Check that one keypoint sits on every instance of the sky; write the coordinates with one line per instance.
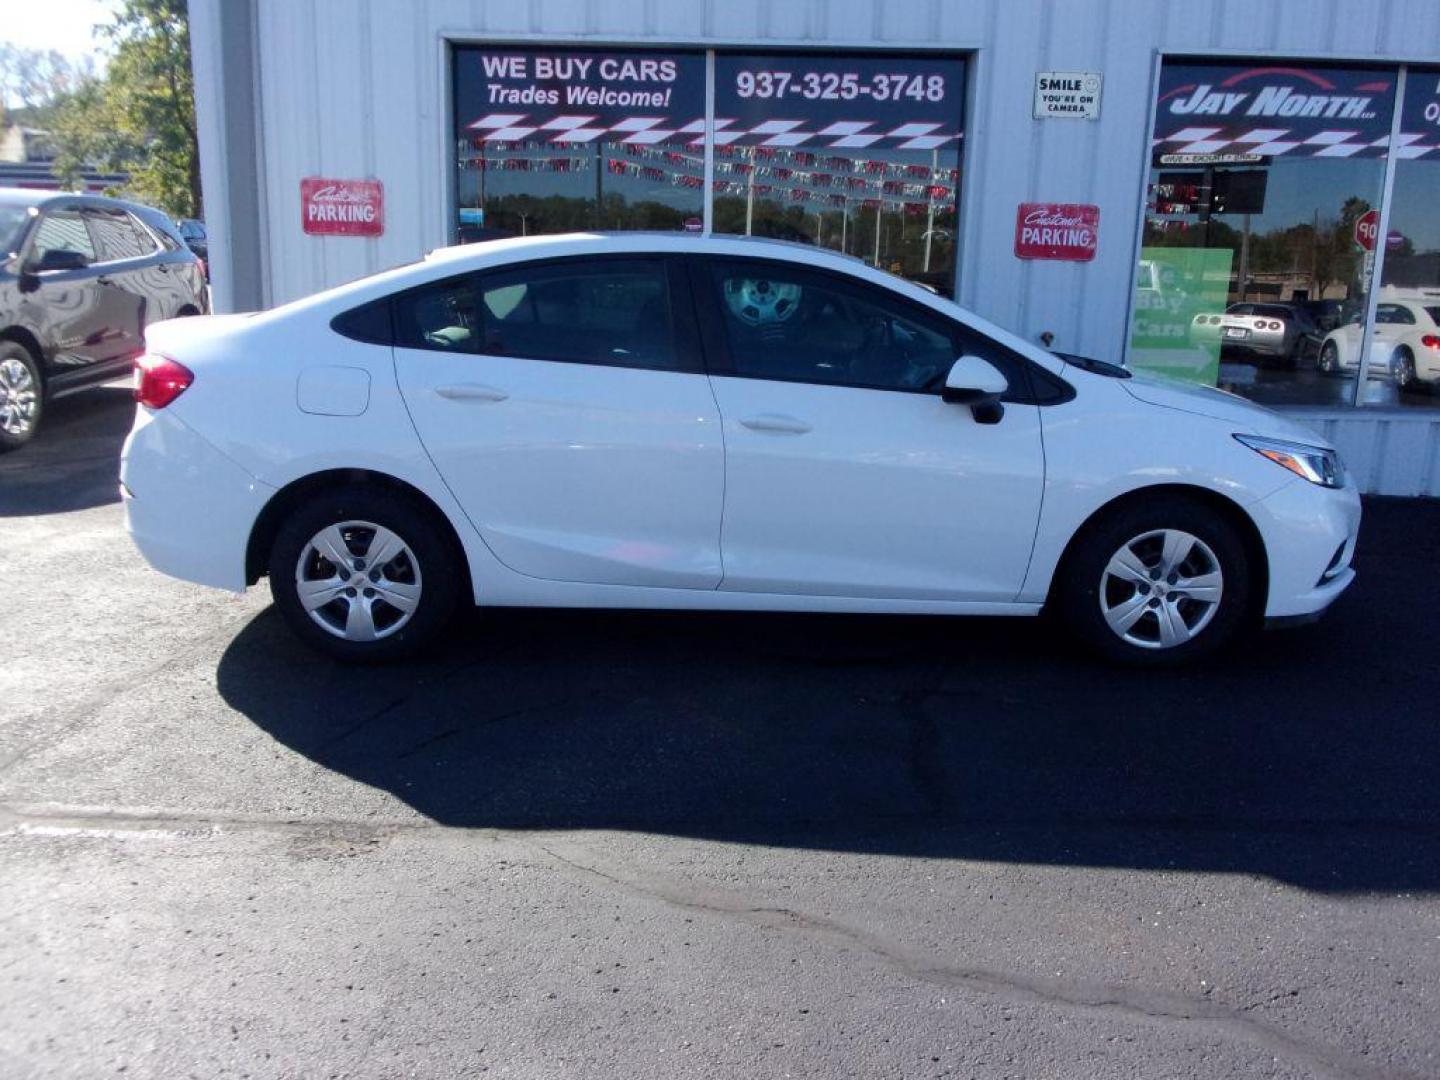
(55, 24)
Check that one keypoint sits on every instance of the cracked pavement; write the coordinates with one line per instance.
(657, 845)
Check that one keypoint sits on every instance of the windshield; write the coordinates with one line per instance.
(12, 222)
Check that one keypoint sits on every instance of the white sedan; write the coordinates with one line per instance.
(640, 421)
(1406, 349)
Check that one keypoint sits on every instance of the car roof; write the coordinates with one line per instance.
(462, 258)
(641, 240)
(444, 263)
(42, 199)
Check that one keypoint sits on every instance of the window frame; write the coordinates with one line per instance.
(1406, 317)
(720, 361)
(684, 332)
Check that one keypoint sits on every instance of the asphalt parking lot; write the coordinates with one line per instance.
(659, 845)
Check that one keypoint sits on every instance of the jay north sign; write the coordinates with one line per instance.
(1311, 111)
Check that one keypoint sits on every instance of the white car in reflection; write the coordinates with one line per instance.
(707, 423)
(1406, 349)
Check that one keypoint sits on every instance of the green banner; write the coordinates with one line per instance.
(1177, 291)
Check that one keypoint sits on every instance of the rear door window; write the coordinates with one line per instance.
(615, 312)
(118, 236)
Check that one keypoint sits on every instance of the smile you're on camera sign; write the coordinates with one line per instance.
(1071, 94)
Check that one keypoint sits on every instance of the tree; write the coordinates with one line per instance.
(141, 116)
(33, 80)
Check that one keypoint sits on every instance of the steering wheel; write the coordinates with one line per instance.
(760, 301)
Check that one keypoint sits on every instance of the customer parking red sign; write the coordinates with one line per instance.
(1057, 231)
(342, 207)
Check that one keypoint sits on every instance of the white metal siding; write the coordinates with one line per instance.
(355, 88)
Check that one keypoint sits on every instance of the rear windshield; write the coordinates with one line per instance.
(1434, 313)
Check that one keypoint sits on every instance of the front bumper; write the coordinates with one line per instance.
(1304, 526)
(188, 507)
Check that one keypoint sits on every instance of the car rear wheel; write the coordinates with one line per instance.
(1159, 582)
(22, 396)
(1402, 366)
(364, 574)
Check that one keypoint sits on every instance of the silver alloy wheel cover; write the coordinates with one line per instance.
(1174, 584)
(17, 397)
(761, 301)
(364, 557)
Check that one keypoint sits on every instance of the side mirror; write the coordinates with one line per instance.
(59, 259)
(975, 382)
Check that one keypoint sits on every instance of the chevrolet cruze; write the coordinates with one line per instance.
(639, 421)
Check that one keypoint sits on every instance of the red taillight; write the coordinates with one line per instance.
(1430, 341)
(204, 269)
(160, 380)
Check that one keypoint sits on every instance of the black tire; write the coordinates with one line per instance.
(1329, 359)
(430, 564)
(1402, 366)
(16, 433)
(1077, 591)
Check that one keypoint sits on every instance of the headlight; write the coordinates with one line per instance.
(1314, 463)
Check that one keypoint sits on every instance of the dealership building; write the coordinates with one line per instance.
(1245, 195)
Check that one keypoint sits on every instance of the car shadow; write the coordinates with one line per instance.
(1309, 756)
(73, 462)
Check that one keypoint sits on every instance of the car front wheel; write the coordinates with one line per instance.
(1158, 582)
(21, 396)
(364, 574)
(1329, 359)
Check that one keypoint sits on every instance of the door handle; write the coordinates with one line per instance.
(471, 392)
(787, 425)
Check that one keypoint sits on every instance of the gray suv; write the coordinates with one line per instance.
(81, 276)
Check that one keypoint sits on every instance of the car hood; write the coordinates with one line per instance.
(1246, 416)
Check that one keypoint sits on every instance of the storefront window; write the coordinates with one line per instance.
(859, 154)
(1407, 319)
(1253, 275)
(563, 140)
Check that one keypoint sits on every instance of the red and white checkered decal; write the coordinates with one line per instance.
(644, 130)
(1275, 141)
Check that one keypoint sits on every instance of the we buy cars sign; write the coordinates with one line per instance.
(1069, 231)
(342, 207)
